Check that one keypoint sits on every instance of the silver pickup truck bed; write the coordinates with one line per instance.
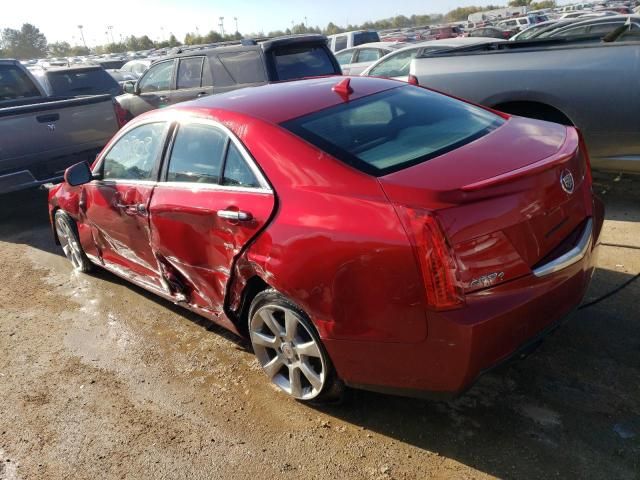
(41, 136)
(594, 86)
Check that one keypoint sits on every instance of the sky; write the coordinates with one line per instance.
(59, 19)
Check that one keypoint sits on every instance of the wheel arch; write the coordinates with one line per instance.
(535, 109)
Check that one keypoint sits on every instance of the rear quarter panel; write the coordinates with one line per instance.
(334, 246)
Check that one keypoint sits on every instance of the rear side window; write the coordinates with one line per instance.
(83, 82)
(197, 154)
(395, 66)
(395, 129)
(303, 61)
(244, 67)
(14, 83)
(344, 58)
(189, 72)
(368, 55)
(236, 170)
(134, 155)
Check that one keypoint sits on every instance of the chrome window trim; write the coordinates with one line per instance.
(112, 181)
(213, 186)
(574, 255)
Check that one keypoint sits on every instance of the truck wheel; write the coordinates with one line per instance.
(68, 237)
(289, 350)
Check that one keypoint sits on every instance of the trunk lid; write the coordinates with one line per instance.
(500, 199)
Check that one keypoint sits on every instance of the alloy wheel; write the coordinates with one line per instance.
(69, 243)
(287, 351)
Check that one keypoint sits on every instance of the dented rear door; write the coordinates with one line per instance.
(212, 201)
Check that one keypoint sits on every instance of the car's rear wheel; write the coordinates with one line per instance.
(289, 349)
(68, 237)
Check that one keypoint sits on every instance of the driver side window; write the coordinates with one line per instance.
(157, 78)
(134, 155)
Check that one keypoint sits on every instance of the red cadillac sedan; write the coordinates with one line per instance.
(359, 231)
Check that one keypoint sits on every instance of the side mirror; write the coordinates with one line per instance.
(78, 174)
(130, 87)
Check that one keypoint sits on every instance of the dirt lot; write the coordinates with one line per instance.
(99, 379)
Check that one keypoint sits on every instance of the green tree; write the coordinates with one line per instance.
(59, 49)
(28, 42)
(543, 4)
(79, 50)
(462, 13)
(520, 3)
(332, 29)
(173, 41)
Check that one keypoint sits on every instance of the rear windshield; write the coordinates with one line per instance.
(303, 61)
(14, 83)
(395, 129)
(82, 82)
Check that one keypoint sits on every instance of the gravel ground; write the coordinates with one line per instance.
(99, 379)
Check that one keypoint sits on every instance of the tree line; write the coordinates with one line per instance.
(29, 42)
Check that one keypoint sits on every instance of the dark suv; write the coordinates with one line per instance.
(194, 73)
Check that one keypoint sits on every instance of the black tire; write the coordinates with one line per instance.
(67, 233)
(332, 390)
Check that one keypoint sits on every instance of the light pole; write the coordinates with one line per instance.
(235, 19)
(82, 36)
(110, 30)
(222, 26)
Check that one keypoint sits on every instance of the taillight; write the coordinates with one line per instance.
(437, 262)
(122, 116)
(413, 80)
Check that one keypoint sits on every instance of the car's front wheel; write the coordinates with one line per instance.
(70, 243)
(289, 349)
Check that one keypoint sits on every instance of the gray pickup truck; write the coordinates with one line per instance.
(40, 136)
(594, 86)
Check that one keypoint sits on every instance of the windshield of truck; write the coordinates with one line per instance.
(15, 83)
(82, 82)
(394, 129)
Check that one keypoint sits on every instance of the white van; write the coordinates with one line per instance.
(340, 41)
(520, 23)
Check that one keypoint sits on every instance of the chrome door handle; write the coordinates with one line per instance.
(236, 215)
(163, 99)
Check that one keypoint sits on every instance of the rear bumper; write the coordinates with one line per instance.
(495, 325)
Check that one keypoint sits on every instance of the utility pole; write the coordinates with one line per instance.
(221, 24)
(110, 29)
(82, 36)
(235, 19)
